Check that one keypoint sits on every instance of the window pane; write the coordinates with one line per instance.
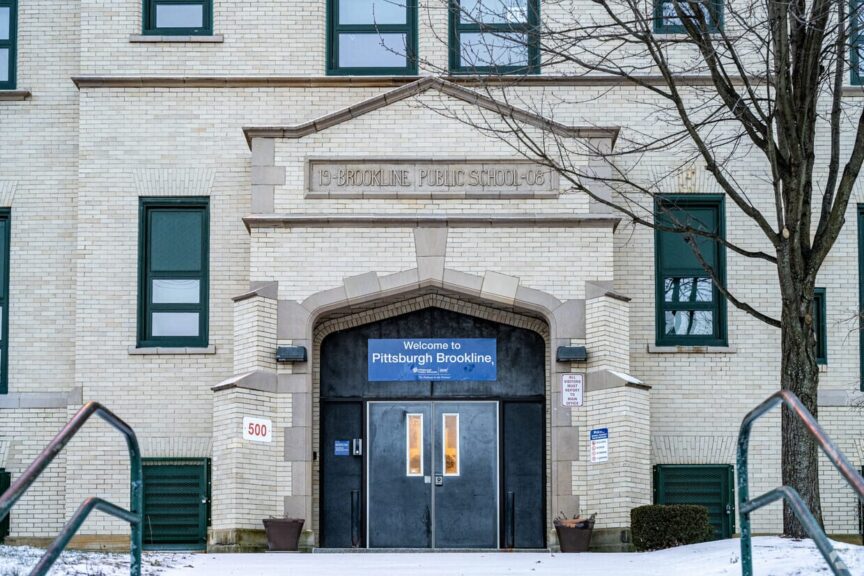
(689, 322)
(676, 251)
(176, 291)
(372, 51)
(175, 240)
(372, 12)
(415, 445)
(5, 13)
(179, 16)
(175, 324)
(487, 49)
(688, 290)
(494, 11)
(670, 16)
(4, 64)
(451, 444)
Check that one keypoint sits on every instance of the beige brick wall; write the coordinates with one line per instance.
(254, 334)
(23, 435)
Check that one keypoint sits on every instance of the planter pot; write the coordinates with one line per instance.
(574, 537)
(283, 534)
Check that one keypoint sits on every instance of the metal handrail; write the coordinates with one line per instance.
(134, 516)
(746, 506)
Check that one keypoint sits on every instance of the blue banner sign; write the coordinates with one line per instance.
(424, 359)
(342, 448)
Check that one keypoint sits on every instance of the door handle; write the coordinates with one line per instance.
(728, 509)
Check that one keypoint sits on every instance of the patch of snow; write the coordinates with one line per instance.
(19, 560)
(772, 557)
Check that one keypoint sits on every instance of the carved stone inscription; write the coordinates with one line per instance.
(430, 178)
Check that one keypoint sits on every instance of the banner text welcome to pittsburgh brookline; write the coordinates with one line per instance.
(398, 359)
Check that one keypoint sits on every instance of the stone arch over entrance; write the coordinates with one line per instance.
(400, 307)
(287, 393)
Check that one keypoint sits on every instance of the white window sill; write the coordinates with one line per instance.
(14, 95)
(135, 351)
(153, 38)
(653, 349)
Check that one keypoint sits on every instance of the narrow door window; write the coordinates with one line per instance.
(414, 456)
(451, 444)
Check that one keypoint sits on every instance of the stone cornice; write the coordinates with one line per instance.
(14, 95)
(116, 81)
(420, 220)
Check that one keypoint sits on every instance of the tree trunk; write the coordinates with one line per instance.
(800, 375)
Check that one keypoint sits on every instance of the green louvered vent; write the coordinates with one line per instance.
(176, 503)
(5, 482)
(706, 485)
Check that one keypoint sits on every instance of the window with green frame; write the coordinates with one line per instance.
(667, 21)
(856, 42)
(8, 43)
(820, 325)
(4, 299)
(690, 310)
(495, 36)
(173, 272)
(178, 17)
(371, 37)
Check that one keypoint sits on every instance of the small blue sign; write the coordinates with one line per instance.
(600, 434)
(342, 448)
(424, 359)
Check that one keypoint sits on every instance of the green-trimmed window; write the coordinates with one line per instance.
(8, 42)
(690, 310)
(178, 17)
(371, 37)
(856, 42)
(173, 272)
(495, 36)
(4, 299)
(667, 21)
(820, 325)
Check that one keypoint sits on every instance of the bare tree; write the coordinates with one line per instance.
(755, 79)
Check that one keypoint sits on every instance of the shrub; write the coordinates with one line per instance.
(665, 526)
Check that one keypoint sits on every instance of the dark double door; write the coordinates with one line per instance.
(432, 474)
(364, 476)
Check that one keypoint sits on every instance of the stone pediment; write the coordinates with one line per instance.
(417, 87)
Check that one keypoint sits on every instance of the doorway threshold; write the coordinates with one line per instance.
(428, 550)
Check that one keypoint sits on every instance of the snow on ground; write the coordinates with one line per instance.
(19, 560)
(772, 557)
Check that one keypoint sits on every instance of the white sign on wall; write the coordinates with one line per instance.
(598, 445)
(572, 386)
(257, 429)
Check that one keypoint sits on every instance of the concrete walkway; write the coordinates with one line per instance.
(774, 556)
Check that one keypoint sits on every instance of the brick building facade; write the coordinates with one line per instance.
(109, 124)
